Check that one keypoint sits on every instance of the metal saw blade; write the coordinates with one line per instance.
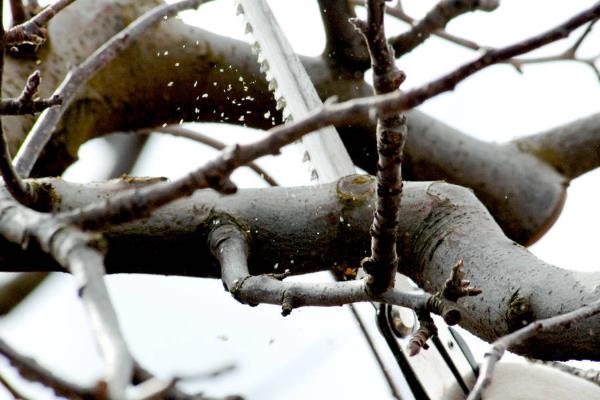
(293, 90)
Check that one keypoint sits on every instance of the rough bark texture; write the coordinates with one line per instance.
(144, 88)
(309, 229)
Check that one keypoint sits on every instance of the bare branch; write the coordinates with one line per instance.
(179, 131)
(229, 246)
(139, 203)
(382, 264)
(344, 46)
(31, 370)
(22, 192)
(33, 31)
(17, 288)
(14, 392)
(17, 12)
(47, 122)
(517, 63)
(435, 20)
(77, 252)
(572, 149)
(499, 346)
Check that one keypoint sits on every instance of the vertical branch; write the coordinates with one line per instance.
(343, 46)
(382, 265)
(17, 12)
(16, 187)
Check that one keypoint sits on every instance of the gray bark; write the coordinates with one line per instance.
(308, 229)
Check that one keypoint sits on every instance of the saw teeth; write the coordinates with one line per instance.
(314, 176)
(264, 66)
(239, 10)
(306, 157)
(273, 85)
(280, 104)
(255, 48)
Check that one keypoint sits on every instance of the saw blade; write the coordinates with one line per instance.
(293, 90)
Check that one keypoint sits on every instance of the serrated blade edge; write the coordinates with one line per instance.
(293, 90)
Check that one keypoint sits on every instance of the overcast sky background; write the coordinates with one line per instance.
(181, 325)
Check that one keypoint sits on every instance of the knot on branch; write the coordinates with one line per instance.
(444, 302)
(380, 275)
(456, 286)
(519, 312)
(29, 32)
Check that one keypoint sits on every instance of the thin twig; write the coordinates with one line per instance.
(139, 203)
(76, 78)
(499, 346)
(180, 131)
(29, 369)
(21, 191)
(518, 63)
(78, 252)
(17, 12)
(382, 264)
(229, 245)
(455, 288)
(435, 20)
(14, 392)
(33, 30)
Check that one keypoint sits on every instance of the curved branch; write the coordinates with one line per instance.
(526, 198)
(441, 222)
(435, 20)
(572, 149)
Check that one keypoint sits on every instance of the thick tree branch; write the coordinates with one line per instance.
(572, 149)
(343, 46)
(215, 174)
(441, 222)
(526, 198)
(48, 121)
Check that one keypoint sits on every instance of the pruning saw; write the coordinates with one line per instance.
(296, 97)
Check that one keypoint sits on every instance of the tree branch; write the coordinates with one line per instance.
(228, 244)
(440, 222)
(572, 149)
(31, 370)
(33, 31)
(343, 45)
(382, 264)
(48, 121)
(76, 252)
(517, 63)
(179, 131)
(526, 198)
(435, 20)
(518, 337)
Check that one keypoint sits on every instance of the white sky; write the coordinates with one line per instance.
(178, 325)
